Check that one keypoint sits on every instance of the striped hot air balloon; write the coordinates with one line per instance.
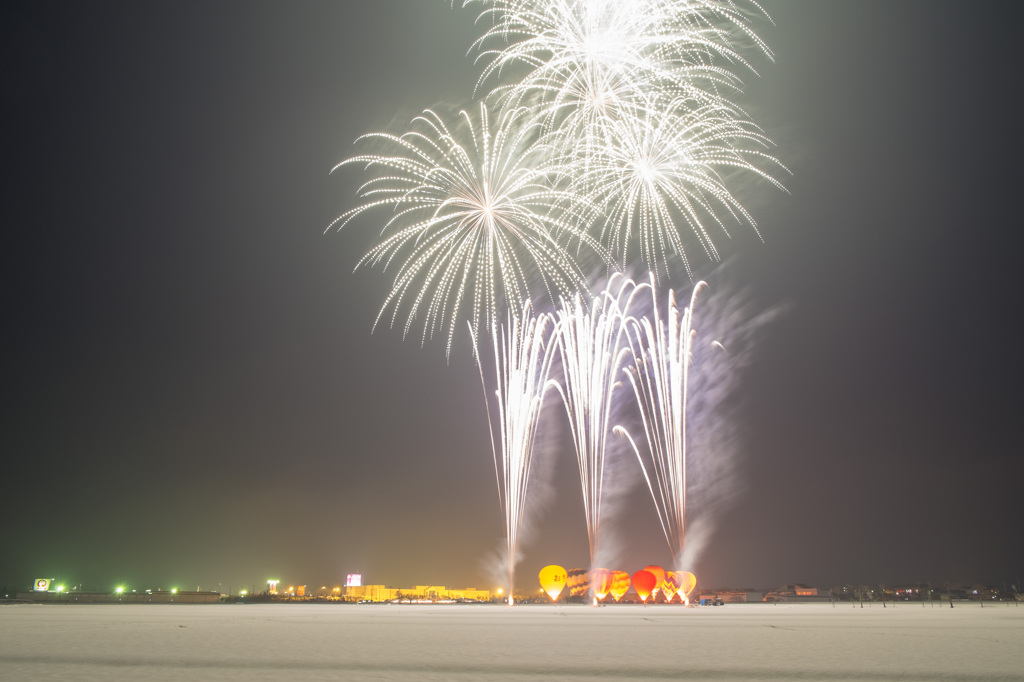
(671, 586)
(578, 582)
(620, 584)
(601, 581)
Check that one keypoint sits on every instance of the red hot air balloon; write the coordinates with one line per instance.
(659, 575)
(620, 584)
(644, 582)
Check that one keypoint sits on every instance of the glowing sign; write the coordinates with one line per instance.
(42, 584)
(272, 586)
(354, 580)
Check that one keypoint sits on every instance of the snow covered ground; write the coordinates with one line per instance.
(484, 642)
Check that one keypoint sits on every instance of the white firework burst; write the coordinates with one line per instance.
(662, 176)
(632, 95)
(477, 222)
(613, 54)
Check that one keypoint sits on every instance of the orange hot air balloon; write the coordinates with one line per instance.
(671, 585)
(620, 584)
(687, 581)
(601, 581)
(659, 575)
(552, 581)
(578, 582)
(644, 582)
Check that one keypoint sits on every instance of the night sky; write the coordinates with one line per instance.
(193, 396)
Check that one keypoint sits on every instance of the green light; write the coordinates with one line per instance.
(119, 589)
(60, 588)
(174, 590)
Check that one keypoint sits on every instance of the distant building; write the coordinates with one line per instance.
(797, 593)
(732, 596)
(380, 593)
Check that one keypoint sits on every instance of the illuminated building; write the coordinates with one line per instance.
(378, 593)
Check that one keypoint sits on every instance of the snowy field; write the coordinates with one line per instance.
(485, 642)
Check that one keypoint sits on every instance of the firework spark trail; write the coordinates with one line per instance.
(476, 217)
(659, 376)
(523, 354)
(592, 347)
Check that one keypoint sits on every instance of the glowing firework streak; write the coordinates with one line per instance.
(523, 353)
(476, 220)
(662, 351)
(592, 347)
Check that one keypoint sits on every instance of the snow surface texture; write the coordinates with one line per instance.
(484, 642)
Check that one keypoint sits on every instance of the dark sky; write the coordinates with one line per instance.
(193, 396)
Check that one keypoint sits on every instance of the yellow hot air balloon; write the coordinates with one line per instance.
(659, 575)
(620, 584)
(552, 581)
(687, 581)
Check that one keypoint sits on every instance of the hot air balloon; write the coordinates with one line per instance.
(578, 582)
(601, 581)
(643, 582)
(687, 581)
(620, 584)
(659, 576)
(671, 585)
(552, 581)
